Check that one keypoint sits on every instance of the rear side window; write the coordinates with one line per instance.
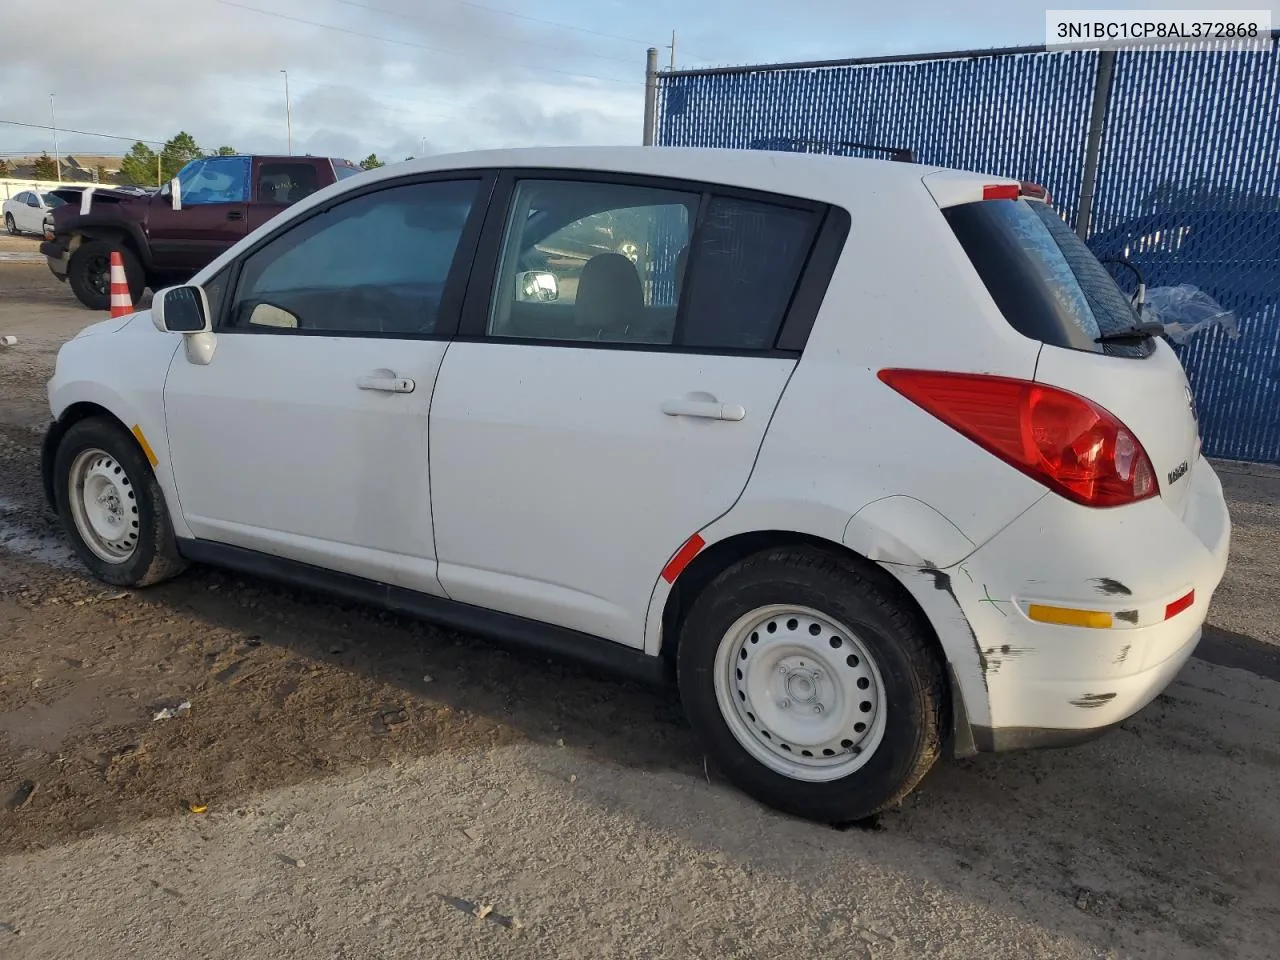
(627, 264)
(743, 268)
(284, 182)
(1046, 282)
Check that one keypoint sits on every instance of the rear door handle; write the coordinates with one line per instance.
(387, 384)
(235, 215)
(707, 409)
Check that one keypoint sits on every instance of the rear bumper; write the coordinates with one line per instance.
(1047, 684)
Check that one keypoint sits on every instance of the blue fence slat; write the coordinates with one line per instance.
(1188, 185)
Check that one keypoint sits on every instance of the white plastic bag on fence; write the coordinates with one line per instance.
(1186, 310)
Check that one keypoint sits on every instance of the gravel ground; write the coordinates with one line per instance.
(351, 784)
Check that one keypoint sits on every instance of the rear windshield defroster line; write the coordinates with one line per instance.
(1047, 283)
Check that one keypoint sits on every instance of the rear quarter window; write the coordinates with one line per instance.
(1047, 283)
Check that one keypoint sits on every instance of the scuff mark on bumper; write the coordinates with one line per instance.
(1091, 701)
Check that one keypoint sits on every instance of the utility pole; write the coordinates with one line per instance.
(53, 122)
(1093, 143)
(288, 112)
(650, 94)
(672, 48)
(424, 146)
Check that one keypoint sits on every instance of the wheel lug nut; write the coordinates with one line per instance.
(817, 708)
(784, 704)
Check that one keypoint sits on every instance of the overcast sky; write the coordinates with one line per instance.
(381, 75)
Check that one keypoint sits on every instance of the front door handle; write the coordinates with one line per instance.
(235, 215)
(707, 409)
(387, 384)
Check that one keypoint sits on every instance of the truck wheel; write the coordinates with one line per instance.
(90, 273)
(112, 507)
(811, 685)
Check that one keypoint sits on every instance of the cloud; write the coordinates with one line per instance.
(458, 74)
(379, 75)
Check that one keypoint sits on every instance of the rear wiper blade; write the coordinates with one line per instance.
(1137, 332)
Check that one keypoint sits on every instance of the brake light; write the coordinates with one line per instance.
(1001, 191)
(1035, 191)
(1070, 444)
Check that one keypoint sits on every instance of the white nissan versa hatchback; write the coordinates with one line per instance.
(874, 458)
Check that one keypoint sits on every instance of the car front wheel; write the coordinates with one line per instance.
(812, 684)
(112, 507)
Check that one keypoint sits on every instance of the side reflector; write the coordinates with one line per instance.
(1182, 603)
(675, 566)
(1001, 191)
(146, 447)
(1068, 617)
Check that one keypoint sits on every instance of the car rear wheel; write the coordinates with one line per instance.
(9, 224)
(112, 507)
(812, 685)
(89, 272)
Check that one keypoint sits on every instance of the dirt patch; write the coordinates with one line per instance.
(359, 784)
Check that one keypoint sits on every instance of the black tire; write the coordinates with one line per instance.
(89, 272)
(9, 224)
(155, 555)
(887, 626)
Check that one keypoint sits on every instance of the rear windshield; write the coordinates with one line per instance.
(1046, 282)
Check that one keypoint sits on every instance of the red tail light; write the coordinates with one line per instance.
(1068, 443)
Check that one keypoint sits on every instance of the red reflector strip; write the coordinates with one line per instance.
(1001, 191)
(1175, 608)
(675, 566)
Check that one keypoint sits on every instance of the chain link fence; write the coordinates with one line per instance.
(1187, 184)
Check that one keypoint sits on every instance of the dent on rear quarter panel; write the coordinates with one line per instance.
(932, 590)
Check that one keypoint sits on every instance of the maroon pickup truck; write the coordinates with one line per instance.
(166, 236)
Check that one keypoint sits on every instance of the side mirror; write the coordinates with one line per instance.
(181, 310)
(175, 194)
(536, 286)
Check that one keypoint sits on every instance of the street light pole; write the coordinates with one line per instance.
(288, 112)
(53, 122)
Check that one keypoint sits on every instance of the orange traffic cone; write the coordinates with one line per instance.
(121, 303)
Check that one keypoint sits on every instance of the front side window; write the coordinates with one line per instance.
(214, 180)
(375, 264)
(345, 168)
(283, 182)
(33, 200)
(592, 261)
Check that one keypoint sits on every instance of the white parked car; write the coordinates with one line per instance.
(24, 212)
(873, 458)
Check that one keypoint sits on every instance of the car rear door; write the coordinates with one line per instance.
(279, 182)
(306, 435)
(578, 442)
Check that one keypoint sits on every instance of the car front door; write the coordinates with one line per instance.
(584, 428)
(306, 435)
(213, 195)
(32, 214)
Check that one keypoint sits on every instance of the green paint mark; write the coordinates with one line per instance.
(987, 598)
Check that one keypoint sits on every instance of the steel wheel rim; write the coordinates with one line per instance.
(104, 506)
(800, 692)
